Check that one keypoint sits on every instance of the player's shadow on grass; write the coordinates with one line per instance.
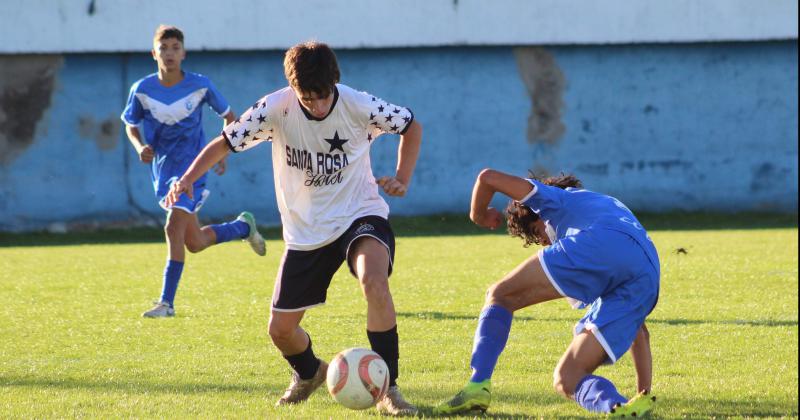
(438, 316)
(506, 399)
(748, 322)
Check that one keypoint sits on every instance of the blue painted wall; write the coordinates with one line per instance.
(662, 127)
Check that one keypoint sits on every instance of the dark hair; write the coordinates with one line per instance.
(311, 67)
(167, 31)
(520, 218)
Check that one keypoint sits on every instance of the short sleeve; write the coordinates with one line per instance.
(216, 101)
(384, 117)
(544, 199)
(133, 112)
(251, 128)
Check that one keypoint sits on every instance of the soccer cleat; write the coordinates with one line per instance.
(393, 404)
(161, 310)
(255, 239)
(300, 389)
(474, 396)
(635, 407)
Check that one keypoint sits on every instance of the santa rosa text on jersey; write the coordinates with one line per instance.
(320, 168)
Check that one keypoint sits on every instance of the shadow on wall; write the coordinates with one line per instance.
(26, 88)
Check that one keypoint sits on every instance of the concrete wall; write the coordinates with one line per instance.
(119, 25)
(709, 126)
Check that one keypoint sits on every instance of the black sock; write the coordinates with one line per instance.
(385, 343)
(305, 363)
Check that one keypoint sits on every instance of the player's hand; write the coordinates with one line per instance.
(146, 153)
(491, 219)
(220, 167)
(176, 189)
(392, 186)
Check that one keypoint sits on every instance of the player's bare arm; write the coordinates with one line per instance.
(642, 360)
(145, 151)
(214, 152)
(407, 154)
(490, 181)
(222, 165)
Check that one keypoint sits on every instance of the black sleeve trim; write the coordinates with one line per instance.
(409, 122)
(228, 142)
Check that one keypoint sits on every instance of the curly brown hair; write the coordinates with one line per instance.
(311, 67)
(521, 220)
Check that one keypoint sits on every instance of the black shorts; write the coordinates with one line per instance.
(304, 276)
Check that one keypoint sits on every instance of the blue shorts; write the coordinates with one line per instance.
(611, 272)
(187, 204)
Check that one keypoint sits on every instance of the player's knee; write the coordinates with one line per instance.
(172, 229)
(494, 296)
(279, 332)
(561, 384)
(194, 246)
(375, 287)
(194, 249)
(491, 293)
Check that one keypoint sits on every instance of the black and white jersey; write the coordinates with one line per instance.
(323, 176)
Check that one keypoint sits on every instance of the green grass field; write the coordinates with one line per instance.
(724, 334)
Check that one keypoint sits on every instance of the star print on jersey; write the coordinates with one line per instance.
(385, 118)
(336, 143)
(245, 131)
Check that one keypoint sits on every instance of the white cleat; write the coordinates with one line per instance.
(161, 310)
(255, 239)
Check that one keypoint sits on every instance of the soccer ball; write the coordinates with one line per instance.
(358, 378)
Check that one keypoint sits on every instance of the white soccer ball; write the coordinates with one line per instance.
(358, 378)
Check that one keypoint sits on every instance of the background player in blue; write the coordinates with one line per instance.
(168, 107)
(598, 255)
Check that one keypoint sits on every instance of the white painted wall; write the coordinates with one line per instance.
(56, 26)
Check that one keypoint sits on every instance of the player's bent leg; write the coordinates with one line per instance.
(525, 285)
(295, 345)
(369, 259)
(197, 238)
(286, 333)
(583, 356)
(243, 227)
(573, 376)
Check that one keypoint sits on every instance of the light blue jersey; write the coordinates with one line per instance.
(600, 256)
(171, 122)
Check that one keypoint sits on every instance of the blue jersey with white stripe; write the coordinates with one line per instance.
(171, 122)
(569, 211)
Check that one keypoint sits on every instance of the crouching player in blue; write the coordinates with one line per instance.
(596, 254)
(167, 105)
